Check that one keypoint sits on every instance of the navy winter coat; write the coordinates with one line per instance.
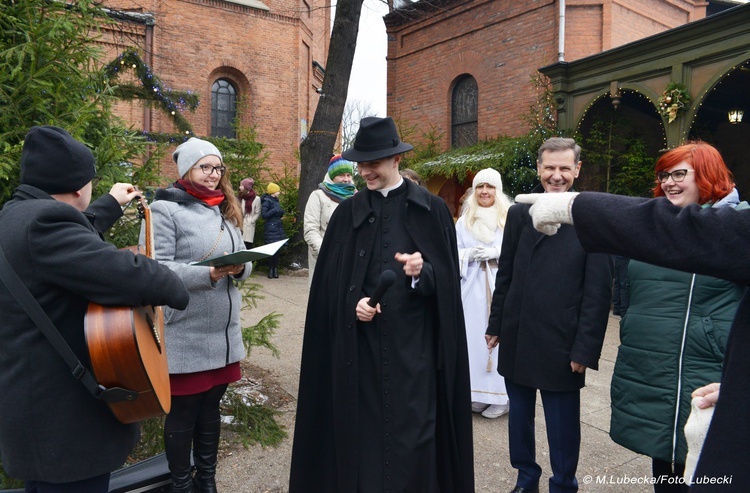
(271, 211)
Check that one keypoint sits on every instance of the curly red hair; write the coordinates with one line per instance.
(712, 176)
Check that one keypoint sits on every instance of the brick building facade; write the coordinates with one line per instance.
(265, 55)
(480, 55)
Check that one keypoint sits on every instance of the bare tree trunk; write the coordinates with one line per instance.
(317, 148)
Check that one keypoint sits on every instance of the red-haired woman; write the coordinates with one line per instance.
(674, 333)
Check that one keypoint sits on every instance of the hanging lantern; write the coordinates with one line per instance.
(735, 116)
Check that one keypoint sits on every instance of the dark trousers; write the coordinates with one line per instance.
(668, 478)
(562, 414)
(273, 261)
(98, 484)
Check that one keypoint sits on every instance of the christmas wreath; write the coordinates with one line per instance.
(674, 100)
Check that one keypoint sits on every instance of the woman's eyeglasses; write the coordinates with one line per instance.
(677, 175)
(208, 169)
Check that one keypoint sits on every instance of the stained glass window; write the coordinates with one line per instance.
(464, 111)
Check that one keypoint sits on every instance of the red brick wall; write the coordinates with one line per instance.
(267, 55)
(502, 43)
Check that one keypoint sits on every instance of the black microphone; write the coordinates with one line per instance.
(387, 278)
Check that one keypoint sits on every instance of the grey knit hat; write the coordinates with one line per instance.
(190, 152)
(53, 161)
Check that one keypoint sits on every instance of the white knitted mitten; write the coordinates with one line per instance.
(695, 433)
(549, 210)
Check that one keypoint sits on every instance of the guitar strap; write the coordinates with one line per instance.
(27, 301)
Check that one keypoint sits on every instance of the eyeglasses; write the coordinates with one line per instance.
(677, 175)
(208, 169)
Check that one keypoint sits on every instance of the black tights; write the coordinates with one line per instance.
(190, 410)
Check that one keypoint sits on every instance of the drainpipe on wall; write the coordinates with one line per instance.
(149, 58)
(561, 34)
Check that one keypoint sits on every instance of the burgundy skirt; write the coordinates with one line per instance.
(195, 383)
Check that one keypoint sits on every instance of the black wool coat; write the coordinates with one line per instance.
(713, 242)
(550, 305)
(324, 456)
(51, 428)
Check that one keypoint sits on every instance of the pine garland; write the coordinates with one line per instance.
(153, 92)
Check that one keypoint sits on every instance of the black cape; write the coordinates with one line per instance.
(324, 455)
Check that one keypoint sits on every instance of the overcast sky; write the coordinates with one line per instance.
(368, 79)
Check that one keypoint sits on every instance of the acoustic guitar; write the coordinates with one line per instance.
(126, 347)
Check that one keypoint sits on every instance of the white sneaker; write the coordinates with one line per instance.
(495, 411)
(478, 407)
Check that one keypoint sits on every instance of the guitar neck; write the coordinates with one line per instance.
(145, 213)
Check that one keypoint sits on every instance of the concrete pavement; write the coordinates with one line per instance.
(606, 466)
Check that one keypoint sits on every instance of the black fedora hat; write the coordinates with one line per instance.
(377, 138)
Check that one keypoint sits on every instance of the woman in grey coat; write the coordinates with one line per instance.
(198, 218)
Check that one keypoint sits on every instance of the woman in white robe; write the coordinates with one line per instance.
(480, 235)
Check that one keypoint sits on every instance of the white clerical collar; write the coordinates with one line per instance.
(385, 191)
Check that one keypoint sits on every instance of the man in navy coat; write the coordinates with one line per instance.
(549, 315)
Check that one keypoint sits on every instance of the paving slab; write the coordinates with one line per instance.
(604, 466)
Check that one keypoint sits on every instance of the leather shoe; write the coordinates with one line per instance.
(518, 489)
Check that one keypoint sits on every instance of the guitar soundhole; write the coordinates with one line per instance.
(154, 330)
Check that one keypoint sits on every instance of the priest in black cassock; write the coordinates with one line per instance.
(384, 402)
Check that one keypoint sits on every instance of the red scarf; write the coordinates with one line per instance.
(210, 197)
(248, 197)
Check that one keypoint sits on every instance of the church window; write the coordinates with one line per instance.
(464, 103)
(223, 109)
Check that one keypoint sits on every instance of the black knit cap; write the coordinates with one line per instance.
(53, 161)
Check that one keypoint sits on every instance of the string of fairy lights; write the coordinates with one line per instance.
(153, 91)
(674, 101)
(704, 97)
(623, 92)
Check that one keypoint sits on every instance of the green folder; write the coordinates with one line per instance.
(244, 255)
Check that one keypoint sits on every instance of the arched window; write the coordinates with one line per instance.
(223, 109)
(464, 102)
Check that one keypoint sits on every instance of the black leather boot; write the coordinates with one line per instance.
(205, 455)
(275, 272)
(270, 272)
(177, 447)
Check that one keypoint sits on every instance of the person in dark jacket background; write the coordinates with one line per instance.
(548, 333)
(53, 433)
(674, 334)
(708, 241)
(273, 229)
(384, 396)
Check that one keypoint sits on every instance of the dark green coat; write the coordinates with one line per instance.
(710, 242)
(672, 342)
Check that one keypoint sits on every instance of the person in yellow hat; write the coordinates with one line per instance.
(273, 230)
